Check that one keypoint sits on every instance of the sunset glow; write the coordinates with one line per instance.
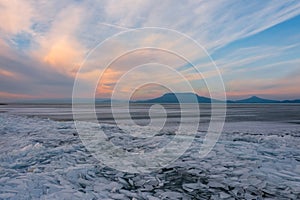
(43, 44)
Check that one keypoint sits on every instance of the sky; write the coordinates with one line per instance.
(46, 45)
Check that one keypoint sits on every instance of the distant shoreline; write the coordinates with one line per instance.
(145, 103)
(167, 98)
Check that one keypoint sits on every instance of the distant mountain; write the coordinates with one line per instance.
(189, 98)
(176, 97)
(291, 101)
(255, 99)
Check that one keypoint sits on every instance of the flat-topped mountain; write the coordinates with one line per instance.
(178, 97)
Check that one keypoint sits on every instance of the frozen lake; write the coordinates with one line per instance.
(256, 157)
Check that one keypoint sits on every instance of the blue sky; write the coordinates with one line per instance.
(255, 44)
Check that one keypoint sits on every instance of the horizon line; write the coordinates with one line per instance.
(36, 100)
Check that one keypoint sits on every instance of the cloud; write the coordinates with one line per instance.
(233, 20)
(212, 23)
(59, 47)
(15, 16)
(6, 96)
(27, 77)
(8, 74)
(285, 87)
(61, 33)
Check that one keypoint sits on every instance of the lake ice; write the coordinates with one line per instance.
(42, 157)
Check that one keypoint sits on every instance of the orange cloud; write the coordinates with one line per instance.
(59, 47)
(155, 72)
(107, 82)
(64, 55)
(7, 95)
(7, 73)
